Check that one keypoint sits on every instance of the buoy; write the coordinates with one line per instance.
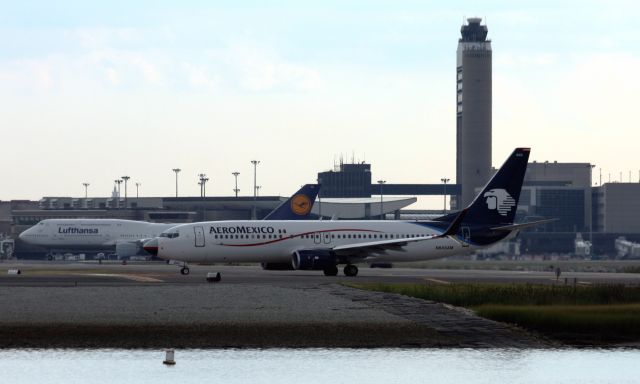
(213, 277)
(168, 357)
(13, 272)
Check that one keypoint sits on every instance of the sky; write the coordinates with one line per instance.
(92, 91)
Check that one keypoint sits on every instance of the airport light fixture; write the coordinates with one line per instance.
(126, 179)
(319, 180)
(176, 170)
(381, 182)
(204, 186)
(118, 182)
(203, 179)
(236, 190)
(86, 187)
(444, 192)
(255, 190)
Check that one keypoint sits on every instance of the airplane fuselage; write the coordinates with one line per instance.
(89, 233)
(276, 241)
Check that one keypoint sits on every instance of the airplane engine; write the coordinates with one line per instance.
(126, 250)
(315, 260)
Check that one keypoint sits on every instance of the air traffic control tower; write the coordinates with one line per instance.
(473, 110)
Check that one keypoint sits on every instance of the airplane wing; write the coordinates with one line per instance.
(380, 247)
(377, 247)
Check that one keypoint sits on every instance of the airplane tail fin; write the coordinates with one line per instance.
(497, 203)
(298, 206)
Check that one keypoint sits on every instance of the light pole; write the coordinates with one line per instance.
(203, 179)
(118, 182)
(176, 170)
(255, 189)
(137, 186)
(126, 179)
(86, 187)
(444, 193)
(202, 182)
(319, 180)
(236, 190)
(381, 182)
(258, 190)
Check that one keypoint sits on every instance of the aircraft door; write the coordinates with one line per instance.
(199, 236)
(317, 238)
(326, 237)
(466, 236)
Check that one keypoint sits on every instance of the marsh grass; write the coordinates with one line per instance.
(574, 314)
(473, 295)
(571, 322)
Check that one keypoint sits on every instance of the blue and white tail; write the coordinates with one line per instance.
(497, 203)
(298, 206)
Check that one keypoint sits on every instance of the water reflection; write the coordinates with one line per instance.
(321, 366)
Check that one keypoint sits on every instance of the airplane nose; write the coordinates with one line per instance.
(23, 235)
(151, 246)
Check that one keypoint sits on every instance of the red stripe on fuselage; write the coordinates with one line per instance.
(298, 235)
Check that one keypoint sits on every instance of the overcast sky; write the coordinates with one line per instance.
(89, 93)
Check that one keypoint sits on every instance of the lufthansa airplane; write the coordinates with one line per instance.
(127, 237)
(322, 245)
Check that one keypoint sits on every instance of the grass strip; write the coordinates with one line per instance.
(593, 315)
(474, 295)
(577, 324)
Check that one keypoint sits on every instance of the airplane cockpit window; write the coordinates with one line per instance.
(170, 235)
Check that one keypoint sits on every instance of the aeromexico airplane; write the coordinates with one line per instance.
(322, 245)
(126, 237)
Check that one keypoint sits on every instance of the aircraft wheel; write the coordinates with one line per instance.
(350, 270)
(184, 270)
(331, 271)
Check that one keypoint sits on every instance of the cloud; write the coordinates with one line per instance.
(200, 77)
(256, 68)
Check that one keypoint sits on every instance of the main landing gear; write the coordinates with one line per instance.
(350, 270)
(331, 270)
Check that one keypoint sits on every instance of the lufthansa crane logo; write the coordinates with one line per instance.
(499, 200)
(301, 204)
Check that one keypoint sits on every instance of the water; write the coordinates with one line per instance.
(326, 366)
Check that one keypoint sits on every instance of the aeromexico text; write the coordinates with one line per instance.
(241, 229)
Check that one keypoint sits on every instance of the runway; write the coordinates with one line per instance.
(150, 305)
(92, 273)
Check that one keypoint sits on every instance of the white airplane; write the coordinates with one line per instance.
(127, 237)
(322, 245)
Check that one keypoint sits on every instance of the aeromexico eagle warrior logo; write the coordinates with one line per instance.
(500, 200)
(301, 204)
